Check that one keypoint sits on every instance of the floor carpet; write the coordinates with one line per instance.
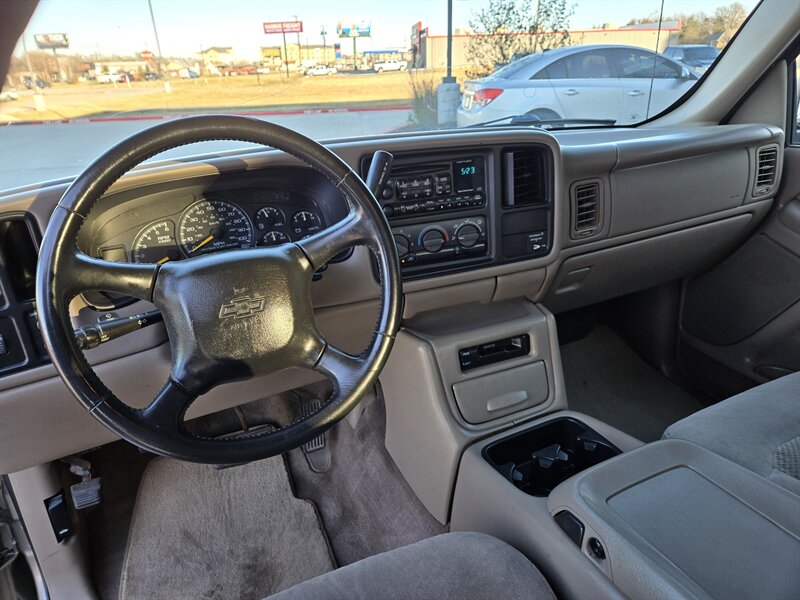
(606, 379)
(240, 532)
(365, 503)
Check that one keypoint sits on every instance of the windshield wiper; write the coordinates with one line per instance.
(535, 121)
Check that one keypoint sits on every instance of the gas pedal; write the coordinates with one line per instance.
(316, 451)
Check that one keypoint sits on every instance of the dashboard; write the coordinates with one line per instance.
(478, 216)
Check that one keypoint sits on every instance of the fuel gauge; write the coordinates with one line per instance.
(269, 217)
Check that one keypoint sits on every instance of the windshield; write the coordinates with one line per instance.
(86, 74)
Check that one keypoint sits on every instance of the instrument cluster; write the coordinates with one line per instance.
(210, 222)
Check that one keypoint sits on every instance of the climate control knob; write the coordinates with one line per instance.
(402, 243)
(433, 240)
(468, 235)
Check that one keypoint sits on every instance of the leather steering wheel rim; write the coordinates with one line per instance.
(282, 332)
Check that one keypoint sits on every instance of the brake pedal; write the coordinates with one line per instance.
(87, 492)
(316, 451)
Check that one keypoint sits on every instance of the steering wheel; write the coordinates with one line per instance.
(229, 316)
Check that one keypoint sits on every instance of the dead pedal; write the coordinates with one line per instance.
(316, 451)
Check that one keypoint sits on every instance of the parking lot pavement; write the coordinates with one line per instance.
(35, 153)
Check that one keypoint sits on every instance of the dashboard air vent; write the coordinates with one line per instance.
(766, 169)
(586, 207)
(524, 177)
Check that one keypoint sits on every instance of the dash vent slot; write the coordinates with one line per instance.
(525, 177)
(766, 170)
(586, 208)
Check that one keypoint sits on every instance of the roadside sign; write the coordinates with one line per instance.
(353, 29)
(146, 55)
(51, 41)
(283, 27)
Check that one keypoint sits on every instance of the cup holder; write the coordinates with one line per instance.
(538, 459)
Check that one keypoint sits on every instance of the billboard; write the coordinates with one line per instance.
(337, 49)
(49, 41)
(351, 29)
(270, 52)
(283, 27)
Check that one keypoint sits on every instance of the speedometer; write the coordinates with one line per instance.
(211, 225)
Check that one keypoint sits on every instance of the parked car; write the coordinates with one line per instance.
(188, 74)
(150, 76)
(581, 82)
(320, 70)
(390, 65)
(9, 94)
(696, 57)
(125, 77)
(29, 83)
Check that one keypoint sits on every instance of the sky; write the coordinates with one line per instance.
(186, 26)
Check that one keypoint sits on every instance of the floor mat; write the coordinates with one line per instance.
(235, 533)
(365, 503)
(606, 379)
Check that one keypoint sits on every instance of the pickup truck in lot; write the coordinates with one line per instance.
(389, 65)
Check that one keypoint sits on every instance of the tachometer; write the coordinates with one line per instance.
(155, 243)
(211, 225)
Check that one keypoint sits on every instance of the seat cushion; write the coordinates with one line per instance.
(759, 429)
(461, 565)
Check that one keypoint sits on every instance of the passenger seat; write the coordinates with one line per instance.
(758, 429)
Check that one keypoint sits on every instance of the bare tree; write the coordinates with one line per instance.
(509, 28)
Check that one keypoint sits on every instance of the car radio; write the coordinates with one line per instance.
(420, 189)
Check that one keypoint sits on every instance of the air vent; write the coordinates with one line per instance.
(586, 208)
(525, 177)
(766, 169)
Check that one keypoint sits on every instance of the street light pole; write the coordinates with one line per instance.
(299, 55)
(323, 32)
(167, 87)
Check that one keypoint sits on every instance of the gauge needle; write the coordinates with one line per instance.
(163, 260)
(210, 238)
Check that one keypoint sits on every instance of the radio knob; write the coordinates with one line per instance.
(433, 240)
(468, 235)
(402, 243)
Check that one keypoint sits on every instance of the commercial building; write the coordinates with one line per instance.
(430, 51)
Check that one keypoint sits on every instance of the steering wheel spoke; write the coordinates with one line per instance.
(342, 368)
(94, 274)
(165, 413)
(320, 248)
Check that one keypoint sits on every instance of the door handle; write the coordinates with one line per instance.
(571, 92)
(636, 93)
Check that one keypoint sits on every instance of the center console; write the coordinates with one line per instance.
(456, 210)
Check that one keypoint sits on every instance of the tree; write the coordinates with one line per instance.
(506, 28)
(698, 28)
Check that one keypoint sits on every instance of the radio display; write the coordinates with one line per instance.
(468, 175)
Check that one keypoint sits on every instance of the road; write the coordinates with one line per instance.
(35, 153)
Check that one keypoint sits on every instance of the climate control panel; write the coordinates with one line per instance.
(441, 241)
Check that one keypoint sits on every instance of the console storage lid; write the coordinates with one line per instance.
(674, 519)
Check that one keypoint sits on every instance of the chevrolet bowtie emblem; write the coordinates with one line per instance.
(239, 308)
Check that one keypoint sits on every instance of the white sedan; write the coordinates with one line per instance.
(621, 84)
